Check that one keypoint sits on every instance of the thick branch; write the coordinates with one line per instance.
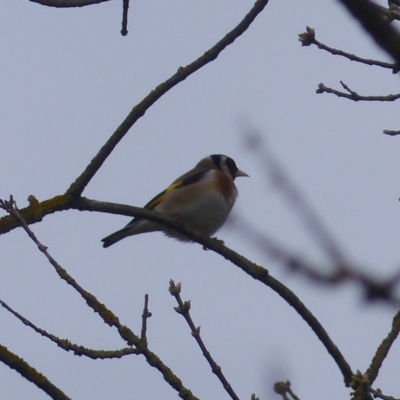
(35, 212)
(31, 374)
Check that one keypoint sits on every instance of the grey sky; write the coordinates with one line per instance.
(68, 79)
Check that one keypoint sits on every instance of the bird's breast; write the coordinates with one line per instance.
(204, 205)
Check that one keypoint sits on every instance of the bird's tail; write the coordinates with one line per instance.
(115, 237)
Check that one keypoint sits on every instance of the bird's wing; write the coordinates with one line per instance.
(185, 180)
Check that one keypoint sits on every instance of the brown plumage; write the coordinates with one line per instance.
(202, 197)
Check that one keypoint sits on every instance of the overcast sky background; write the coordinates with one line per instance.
(68, 79)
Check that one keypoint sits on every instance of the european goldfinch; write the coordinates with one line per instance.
(202, 198)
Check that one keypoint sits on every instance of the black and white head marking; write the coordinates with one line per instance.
(225, 164)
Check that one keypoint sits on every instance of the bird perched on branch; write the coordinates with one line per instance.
(202, 198)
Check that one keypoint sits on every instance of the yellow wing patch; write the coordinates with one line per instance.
(190, 180)
(161, 196)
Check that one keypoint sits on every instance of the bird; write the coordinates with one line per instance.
(202, 198)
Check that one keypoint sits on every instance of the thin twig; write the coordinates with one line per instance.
(67, 345)
(125, 8)
(378, 394)
(373, 289)
(294, 197)
(308, 38)
(184, 310)
(76, 188)
(352, 95)
(384, 290)
(145, 316)
(107, 315)
(383, 350)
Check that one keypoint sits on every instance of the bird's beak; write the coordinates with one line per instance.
(240, 173)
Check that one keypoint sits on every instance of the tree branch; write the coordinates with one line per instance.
(107, 315)
(293, 196)
(184, 310)
(379, 395)
(145, 316)
(31, 374)
(76, 188)
(391, 133)
(383, 350)
(67, 3)
(374, 20)
(255, 271)
(125, 8)
(66, 345)
(35, 212)
(352, 95)
(341, 270)
(308, 38)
